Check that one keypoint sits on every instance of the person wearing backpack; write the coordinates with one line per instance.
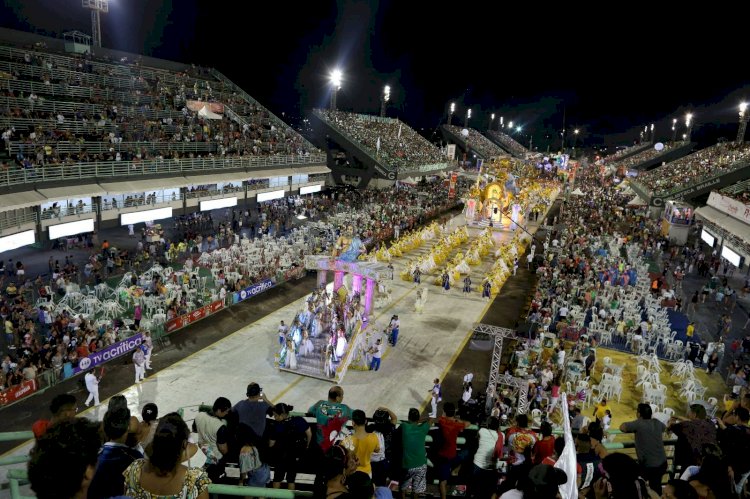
(485, 459)
(289, 440)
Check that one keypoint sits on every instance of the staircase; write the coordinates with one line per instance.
(313, 364)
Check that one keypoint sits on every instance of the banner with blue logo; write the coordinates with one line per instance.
(253, 290)
(108, 353)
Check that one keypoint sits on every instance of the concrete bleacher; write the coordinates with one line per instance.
(508, 143)
(651, 157)
(475, 142)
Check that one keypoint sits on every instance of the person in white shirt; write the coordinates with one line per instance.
(561, 358)
(92, 385)
(139, 362)
(466, 395)
(377, 353)
(149, 344)
(484, 458)
(283, 329)
(468, 377)
(563, 312)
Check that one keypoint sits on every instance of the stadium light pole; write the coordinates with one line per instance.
(386, 98)
(97, 7)
(492, 118)
(467, 118)
(336, 76)
(502, 123)
(688, 126)
(743, 123)
(450, 115)
(652, 133)
(575, 140)
(510, 126)
(674, 130)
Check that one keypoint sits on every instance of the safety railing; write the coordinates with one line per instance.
(65, 147)
(12, 219)
(76, 91)
(152, 167)
(66, 211)
(33, 71)
(69, 108)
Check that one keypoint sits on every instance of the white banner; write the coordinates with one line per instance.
(450, 151)
(731, 207)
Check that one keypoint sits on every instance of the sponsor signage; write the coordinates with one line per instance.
(730, 206)
(18, 240)
(71, 228)
(145, 216)
(215, 204)
(173, 325)
(108, 353)
(253, 290)
(17, 392)
(310, 189)
(452, 186)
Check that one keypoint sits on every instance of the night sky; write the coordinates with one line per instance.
(610, 69)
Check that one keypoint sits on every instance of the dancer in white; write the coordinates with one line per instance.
(149, 344)
(92, 385)
(139, 362)
(291, 356)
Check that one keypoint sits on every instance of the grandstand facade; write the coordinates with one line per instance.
(83, 135)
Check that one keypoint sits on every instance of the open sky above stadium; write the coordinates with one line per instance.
(609, 69)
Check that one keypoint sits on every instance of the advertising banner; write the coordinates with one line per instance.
(730, 206)
(173, 325)
(108, 353)
(253, 290)
(17, 392)
(197, 105)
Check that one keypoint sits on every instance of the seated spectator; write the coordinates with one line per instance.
(76, 443)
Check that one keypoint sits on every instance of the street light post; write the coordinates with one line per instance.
(502, 124)
(386, 98)
(652, 133)
(743, 123)
(575, 140)
(97, 8)
(466, 119)
(336, 76)
(688, 126)
(450, 115)
(492, 118)
(674, 130)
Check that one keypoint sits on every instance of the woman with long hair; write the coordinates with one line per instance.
(162, 474)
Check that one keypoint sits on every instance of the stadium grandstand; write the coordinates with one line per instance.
(508, 143)
(627, 152)
(474, 142)
(378, 147)
(652, 156)
(77, 127)
(696, 174)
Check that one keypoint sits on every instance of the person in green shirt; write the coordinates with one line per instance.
(413, 435)
(330, 414)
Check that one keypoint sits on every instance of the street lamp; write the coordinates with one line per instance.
(466, 119)
(336, 77)
(652, 133)
(510, 125)
(502, 125)
(450, 115)
(575, 139)
(674, 130)
(743, 123)
(688, 126)
(492, 118)
(386, 98)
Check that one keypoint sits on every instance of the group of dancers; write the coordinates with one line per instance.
(333, 319)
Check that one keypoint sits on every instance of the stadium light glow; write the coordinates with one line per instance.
(575, 131)
(493, 116)
(336, 77)
(652, 127)
(469, 113)
(743, 107)
(518, 128)
(387, 92)
(688, 119)
(453, 107)
(510, 124)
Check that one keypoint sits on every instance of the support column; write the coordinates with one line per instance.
(322, 277)
(338, 279)
(369, 295)
(357, 283)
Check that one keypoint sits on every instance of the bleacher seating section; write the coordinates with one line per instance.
(508, 143)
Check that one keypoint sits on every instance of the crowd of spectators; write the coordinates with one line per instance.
(614, 157)
(481, 144)
(151, 107)
(740, 194)
(509, 142)
(391, 141)
(643, 156)
(695, 167)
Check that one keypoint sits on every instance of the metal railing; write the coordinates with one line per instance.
(71, 108)
(152, 167)
(64, 147)
(11, 219)
(33, 71)
(76, 91)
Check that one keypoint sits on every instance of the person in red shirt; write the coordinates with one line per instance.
(62, 407)
(447, 456)
(552, 459)
(546, 446)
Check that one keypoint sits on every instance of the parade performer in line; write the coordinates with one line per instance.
(486, 288)
(446, 281)
(467, 284)
(417, 276)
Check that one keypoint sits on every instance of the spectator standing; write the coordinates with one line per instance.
(447, 455)
(692, 433)
(289, 440)
(331, 415)
(414, 458)
(649, 445)
(485, 472)
(207, 426)
(114, 457)
(362, 443)
(253, 410)
(139, 363)
(62, 407)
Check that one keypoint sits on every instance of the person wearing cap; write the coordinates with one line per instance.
(253, 410)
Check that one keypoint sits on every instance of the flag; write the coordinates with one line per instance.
(567, 461)
(399, 130)
(378, 145)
